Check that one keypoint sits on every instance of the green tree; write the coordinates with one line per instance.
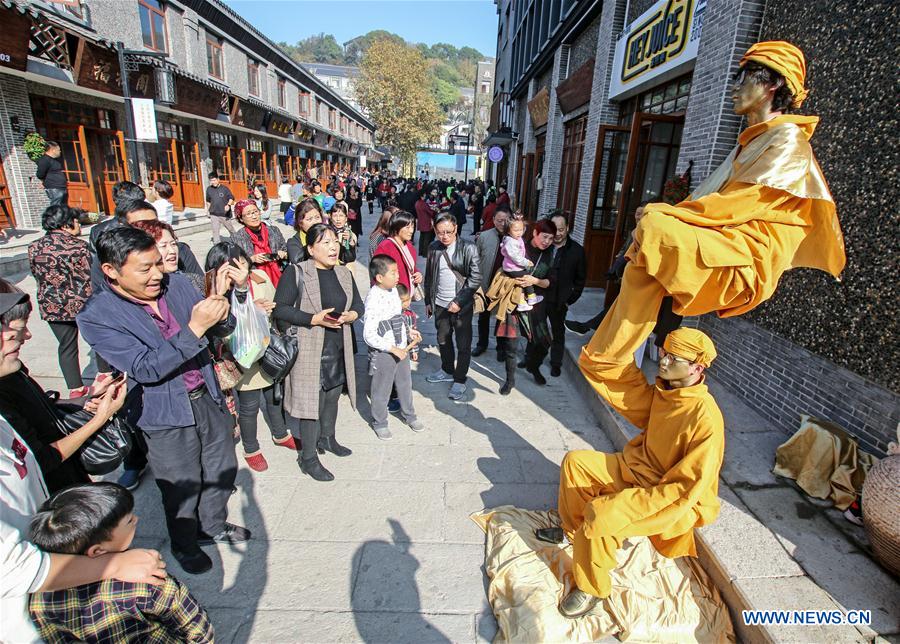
(319, 48)
(470, 53)
(393, 88)
(446, 94)
(355, 49)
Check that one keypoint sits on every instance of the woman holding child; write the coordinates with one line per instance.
(318, 300)
(515, 321)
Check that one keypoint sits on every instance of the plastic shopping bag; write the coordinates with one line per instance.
(289, 216)
(250, 338)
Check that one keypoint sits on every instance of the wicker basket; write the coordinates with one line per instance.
(881, 511)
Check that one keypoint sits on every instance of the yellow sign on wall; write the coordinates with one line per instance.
(664, 37)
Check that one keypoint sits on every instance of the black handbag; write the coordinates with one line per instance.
(103, 452)
(280, 356)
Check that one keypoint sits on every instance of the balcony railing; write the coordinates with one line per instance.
(501, 113)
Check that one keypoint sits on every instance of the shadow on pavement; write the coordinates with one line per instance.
(389, 610)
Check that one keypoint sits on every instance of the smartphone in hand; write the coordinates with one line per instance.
(209, 282)
(333, 319)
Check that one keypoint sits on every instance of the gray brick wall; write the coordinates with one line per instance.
(177, 35)
(235, 69)
(118, 20)
(711, 127)
(28, 196)
(602, 111)
(782, 380)
(194, 44)
(553, 145)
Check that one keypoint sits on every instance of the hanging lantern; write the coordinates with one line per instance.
(165, 85)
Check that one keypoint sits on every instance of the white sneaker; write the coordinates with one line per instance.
(439, 376)
(457, 391)
(524, 306)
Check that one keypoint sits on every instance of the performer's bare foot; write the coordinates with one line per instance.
(577, 603)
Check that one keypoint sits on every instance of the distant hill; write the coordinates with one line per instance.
(448, 67)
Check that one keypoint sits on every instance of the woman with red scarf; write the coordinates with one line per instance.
(264, 244)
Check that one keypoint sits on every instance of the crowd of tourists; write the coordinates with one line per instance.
(182, 347)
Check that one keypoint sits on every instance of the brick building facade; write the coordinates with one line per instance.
(241, 107)
(597, 154)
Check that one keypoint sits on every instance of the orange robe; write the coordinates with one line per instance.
(662, 485)
(766, 210)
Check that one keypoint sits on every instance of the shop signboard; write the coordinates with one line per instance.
(362, 160)
(495, 154)
(661, 44)
(144, 120)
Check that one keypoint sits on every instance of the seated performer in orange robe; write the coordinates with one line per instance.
(765, 210)
(662, 485)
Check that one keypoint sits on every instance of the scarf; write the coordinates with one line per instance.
(261, 245)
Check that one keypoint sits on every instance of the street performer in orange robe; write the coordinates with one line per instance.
(765, 210)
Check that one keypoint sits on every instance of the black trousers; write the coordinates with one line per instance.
(195, 468)
(454, 361)
(248, 410)
(58, 196)
(557, 318)
(309, 431)
(425, 239)
(67, 336)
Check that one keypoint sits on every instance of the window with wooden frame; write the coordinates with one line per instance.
(215, 58)
(253, 77)
(668, 98)
(570, 173)
(304, 103)
(332, 117)
(153, 24)
(282, 91)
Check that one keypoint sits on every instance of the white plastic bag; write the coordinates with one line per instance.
(250, 338)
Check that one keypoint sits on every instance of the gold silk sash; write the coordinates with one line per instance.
(781, 158)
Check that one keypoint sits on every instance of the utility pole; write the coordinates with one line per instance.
(129, 116)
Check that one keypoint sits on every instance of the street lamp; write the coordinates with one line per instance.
(164, 77)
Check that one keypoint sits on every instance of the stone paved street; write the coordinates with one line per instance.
(386, 552)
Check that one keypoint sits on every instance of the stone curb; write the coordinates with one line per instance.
(727, 565)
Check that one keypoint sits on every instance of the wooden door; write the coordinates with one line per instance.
(7, 216)
(188, 158)
(238, 180)
(574, 133)
(652, 138)
(111, 166)
(653, 144)
(606, 185)
(161, 166)
(270, 163)
(81, 184)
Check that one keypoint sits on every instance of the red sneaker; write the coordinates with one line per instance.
(80, 392)
(288, 442)
(257, 462)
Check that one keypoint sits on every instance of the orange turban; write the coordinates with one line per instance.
(784, 58)
(691, 344)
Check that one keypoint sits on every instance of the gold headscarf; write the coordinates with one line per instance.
(691, 344)
(784, 58)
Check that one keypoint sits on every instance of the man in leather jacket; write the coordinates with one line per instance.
(449, 296)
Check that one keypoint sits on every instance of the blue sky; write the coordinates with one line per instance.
(457, 22)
